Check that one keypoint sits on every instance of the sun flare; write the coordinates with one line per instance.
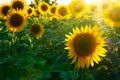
(91, 1)
(63, 2)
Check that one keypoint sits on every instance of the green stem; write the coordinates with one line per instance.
(75, 72)
(13, 41)
(115, 42)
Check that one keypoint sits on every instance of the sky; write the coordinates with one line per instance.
(7, 1)
(59, 1)
(29, 1)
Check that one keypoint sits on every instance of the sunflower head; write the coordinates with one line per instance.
(43, 7)
(115, 14)
(53, 9)
(76, 7)
(18, 4)
(105, 5)
(30, 11)
(4, 8)
(112, 15)
(93, 7)
(63, 12)
(37, 30)
(16, 21)
(85, 45)
(53, 12)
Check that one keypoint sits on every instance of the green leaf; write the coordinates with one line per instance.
(62, 67)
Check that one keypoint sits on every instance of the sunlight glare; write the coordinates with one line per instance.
(60, 2)
(63, 2)
(91, 1)
(9, 1)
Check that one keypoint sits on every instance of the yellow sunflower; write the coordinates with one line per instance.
(93, 7)
(53, 14)
(112, 15)
(30, 11)
(77, 7)
(86, 46)
(4, 8)
(16, 21)
(105, 5)
(63, 12)
(37, 30)
(53, 9)
(19, 5)
(43, 7)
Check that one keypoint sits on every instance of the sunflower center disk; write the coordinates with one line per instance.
(63, 11)
(53, 10)
(5, 10)
(84, 44)
(29, 11)
(35, 29)
(104, 5)
(18, 5)
(78, 7)
(16, 20)
(93, 8)
(115, 14)
(44, 7)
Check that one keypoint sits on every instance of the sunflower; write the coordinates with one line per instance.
(77, 7)
(43, 7)
(53, 14)
(105, 5)
(30, 11)
(16, 21)
(4, 8)
(112, 15)
(93, 7)
(37, 30)
(63, 12)
(19, 5)
(86, 46)
(53, 9)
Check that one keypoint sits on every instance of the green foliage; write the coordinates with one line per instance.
(23, 57)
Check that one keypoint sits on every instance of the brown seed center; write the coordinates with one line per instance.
(115, 14)
(18, 5)
(44, 7)
(16, 20)
(78, 7)
(5, 10)
(63, 11)
(29, 11)
(53, 9)
(35, 28)
(84, 44)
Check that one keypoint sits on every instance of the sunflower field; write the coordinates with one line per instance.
(47, 41)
